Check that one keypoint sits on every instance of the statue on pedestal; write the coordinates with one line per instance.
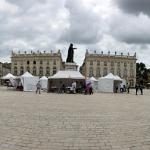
(70, 54)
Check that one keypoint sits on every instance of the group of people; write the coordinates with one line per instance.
(126, 88)
(75, 87)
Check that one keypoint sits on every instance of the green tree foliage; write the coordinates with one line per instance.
(142, 73)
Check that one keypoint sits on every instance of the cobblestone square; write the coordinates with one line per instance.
(48, 121)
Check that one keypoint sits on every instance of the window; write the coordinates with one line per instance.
(105, 72)
(105, 63)
(15, 71)
(34, 70)
(98, 63)
(125, 64)
(125, 73)
(90, 72)
(98, 74)
(47, 62)
(21, 70)
(131, 73)
(54, 62)
(28, 69)
(47, 71)
(41, 71)
(15, 63)
(118, 64)
(34, 62)
(54, 70)
(131, 65)
(91, 62)
(112, 63)
(28, 62)
(119, 72)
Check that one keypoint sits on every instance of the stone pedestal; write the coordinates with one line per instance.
(71, 66)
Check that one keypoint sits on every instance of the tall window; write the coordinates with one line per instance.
(125, 73)
(105, 72)
(28, 62)
(118, 64)
(21, 70)
(90, 71)
(54, 62)
(41, 71)
(98, 74)
(125, 64)
(34, 62)
(131, 65)
(112, 63)
(28, 69)
(47, 71)
(54, 70)
(119, 72)
(34, 70)
(91, 62)
(105, 63)
(15, 71)
(131, 73)
(98, 63)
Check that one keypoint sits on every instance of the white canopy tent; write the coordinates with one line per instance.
(108, 83)
(65, 77)
(65, 74)
(44, 81)
(8, 76)
(29, 82)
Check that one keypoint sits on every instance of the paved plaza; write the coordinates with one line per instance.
(74, 122)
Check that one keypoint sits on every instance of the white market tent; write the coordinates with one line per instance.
(44, 81)
(94, 83)
(65, 77)
(8, 76)
(108, 83)
(65, 74)
(29, 82)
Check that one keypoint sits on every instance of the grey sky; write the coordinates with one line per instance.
(115, 25)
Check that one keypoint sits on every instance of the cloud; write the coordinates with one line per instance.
(84, 23)
(134, 6)
(90, 24)
(130, 29)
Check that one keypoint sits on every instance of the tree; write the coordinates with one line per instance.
(141, 73)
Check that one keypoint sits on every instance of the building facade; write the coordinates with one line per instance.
(5, 68)
(99, 65)
(38, 64)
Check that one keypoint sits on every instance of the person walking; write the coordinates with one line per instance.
(128, 88)
(136, 88)
(38, 87)
(141, 89)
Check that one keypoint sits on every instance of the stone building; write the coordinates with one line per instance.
(38, 64)
(99, 65)
(5, 68)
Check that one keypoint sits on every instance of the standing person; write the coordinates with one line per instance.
(128, 88)
(38, 87)
(121, 87)
(74, 85)
(136, 88)
(141, 89)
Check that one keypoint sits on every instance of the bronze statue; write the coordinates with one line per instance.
(70, 53)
